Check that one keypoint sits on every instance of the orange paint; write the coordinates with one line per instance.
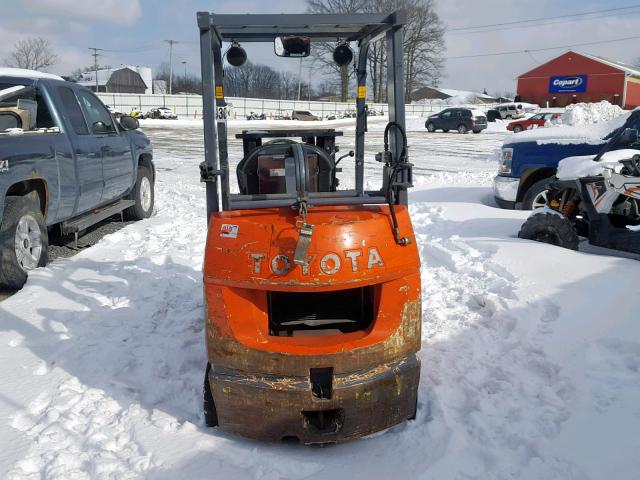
(250, 252)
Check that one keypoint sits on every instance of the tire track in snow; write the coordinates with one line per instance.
(484, 370)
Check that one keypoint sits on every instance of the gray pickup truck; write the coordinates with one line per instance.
(65, 164)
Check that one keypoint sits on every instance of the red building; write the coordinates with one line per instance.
(578, 77)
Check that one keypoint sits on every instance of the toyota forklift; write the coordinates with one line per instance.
(311, 292)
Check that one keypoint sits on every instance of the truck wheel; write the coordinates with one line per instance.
(431, 127)
(143, 194)
(23, 240)
(536, 196)
(462, 129)
(550, 228)
(209, 408)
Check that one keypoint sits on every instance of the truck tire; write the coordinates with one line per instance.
(144, 196)
(208, 407)
(23, 240)
(536, 195)
(550, 228)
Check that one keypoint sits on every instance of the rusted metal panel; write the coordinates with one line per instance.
(271, 408)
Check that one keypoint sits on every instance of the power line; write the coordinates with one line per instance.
(95, 56)
(529, 50)
(542, 24)
(593, 12)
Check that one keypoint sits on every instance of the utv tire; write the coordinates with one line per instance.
(536, 196)
(430, 127)
(23, 240)
(208, 407)
(550, 228)
(462, 129)
(144, 195)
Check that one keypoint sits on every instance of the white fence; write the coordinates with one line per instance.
(190, 106)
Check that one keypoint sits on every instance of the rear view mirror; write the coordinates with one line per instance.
(292, 46)
(629, 136)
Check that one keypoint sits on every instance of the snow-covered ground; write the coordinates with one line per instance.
(530, 358)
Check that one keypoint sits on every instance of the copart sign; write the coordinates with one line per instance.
(568, 84)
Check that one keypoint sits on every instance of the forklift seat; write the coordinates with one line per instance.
(270, 169)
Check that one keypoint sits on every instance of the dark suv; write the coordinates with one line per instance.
(460, 119)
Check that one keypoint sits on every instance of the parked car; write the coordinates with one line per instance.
(162, 113)
(528, 164)
(460, 119)
(493, 115)
(65, 162)
(257, 116)
(537, 120)
(303, 115)
(509, 111)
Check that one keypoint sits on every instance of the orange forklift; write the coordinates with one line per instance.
(311, 292)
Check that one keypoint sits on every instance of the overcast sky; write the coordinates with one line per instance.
(134, 31)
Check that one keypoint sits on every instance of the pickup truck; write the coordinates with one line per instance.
(529, 160)
(65, 164)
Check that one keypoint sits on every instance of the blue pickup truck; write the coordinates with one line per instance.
(529, 160)
(65, 164)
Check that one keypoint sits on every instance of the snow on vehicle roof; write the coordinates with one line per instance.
(23, 73)
(478, 113)
(572, 168)
(593, 134)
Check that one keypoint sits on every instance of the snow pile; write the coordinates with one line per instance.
(589, 113)
(583, 166)
(593, 134)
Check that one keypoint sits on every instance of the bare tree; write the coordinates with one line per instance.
(323, 51)
(261, 81)
(33, 53)
(188, 83)
(423, 42)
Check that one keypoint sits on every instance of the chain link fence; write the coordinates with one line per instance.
(190, 106)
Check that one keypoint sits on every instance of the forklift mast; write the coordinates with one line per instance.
(361, 28)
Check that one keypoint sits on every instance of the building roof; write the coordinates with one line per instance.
(630, 69)
(88, 79)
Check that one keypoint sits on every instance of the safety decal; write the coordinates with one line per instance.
(4, 166)
(229, 231)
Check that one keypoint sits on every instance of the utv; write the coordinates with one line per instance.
(597, 197)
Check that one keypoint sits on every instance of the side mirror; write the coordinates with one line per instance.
(629, 136)
(292, 46)
(129, 123)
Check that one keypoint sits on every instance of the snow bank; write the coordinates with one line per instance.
(594, 133)
(589, 113)
(583, 166)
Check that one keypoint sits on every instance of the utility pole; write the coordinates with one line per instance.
(184, 64)
(171, 43)
(95, 56)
